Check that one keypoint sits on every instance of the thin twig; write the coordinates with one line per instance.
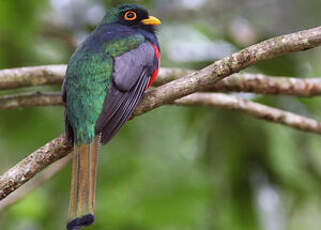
(252, 108)
(207, 99)
(31, 165)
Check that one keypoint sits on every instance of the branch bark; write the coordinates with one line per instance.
(167, 93)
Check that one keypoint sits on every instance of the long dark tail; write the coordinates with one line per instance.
(83, 185)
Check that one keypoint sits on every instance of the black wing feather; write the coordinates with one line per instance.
(132, 72)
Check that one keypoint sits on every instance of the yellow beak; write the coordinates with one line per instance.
(153, 21)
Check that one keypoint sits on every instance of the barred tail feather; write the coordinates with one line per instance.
(83, 185)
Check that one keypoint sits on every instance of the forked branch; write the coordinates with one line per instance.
(193, 82)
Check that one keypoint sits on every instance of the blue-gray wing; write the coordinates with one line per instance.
(130, 78)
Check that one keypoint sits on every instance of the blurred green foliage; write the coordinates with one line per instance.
(174, 168)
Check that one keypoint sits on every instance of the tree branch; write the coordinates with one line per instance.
(167, 93)
(35, 182)
(262, 84)
(208, 76)
(199, 99)
(25, 100)
(58, 148)
(32, 164)
(32, 76)
(252, 83)
(252, 108)
(243, 82)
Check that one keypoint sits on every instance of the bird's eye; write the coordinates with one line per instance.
(130, 16)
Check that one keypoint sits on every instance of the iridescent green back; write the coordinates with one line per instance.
(87, 80)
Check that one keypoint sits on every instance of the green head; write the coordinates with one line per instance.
(130, 15)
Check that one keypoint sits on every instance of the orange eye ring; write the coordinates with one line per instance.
(130, 16)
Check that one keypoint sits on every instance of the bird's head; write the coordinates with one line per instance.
(131, 15)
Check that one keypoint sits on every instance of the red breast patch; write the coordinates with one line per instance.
(155, 73)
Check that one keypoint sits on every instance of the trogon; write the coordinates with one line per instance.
(105, 80)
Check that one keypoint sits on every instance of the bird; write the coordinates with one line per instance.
(106, 78)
